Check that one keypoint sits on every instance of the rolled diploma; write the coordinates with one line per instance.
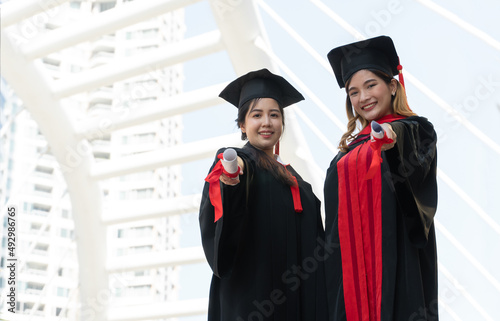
(230, 161)
(377, 130)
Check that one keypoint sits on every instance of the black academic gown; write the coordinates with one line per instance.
(267, 260)
(409, 200)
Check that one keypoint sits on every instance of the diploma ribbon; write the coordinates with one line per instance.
(376, 146)
(214, 188)
(297, 204)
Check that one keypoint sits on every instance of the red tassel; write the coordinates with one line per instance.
(214, 192)
(402, 81)
(297, 204)
(401, 78)
(277, 148)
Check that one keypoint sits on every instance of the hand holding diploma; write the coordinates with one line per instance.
(233, 166)
(382, 138)
(227, 171)
(378, 132)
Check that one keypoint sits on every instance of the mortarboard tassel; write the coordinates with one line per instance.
(401, 79)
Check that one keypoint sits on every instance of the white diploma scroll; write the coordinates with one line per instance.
(377, 130)
(230, 161)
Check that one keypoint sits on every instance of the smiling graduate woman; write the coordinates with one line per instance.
(261, 231)
(380, 195)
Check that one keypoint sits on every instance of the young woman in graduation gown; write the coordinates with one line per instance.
(380, 195)
(261, 231)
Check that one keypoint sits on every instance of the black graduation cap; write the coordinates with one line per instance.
(376, 53)
(261, 84)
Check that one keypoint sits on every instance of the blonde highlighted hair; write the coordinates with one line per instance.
(399, 107)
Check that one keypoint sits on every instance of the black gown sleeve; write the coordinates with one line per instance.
(221, 239)
(412, 164)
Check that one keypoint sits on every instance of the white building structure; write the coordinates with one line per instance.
(47, 274)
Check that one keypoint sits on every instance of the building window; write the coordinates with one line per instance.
(28, 306)
(41, 207)
(149, 33)
(123, 195)
(141, 249)
(35, 226)
(101, 155)
(76, 68)
(43, 188)
(140, 273)
(34, 288)
(143, 231)
(139, 290)
(44, 170)
(62, 292)
(104, 6)
(42, 247)
(144, 193)
(37, 268)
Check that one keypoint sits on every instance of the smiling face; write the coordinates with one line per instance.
(370, 95)
(263, 124)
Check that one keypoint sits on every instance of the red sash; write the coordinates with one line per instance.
(360, 227)
(214, 187)
(297, 204)
(215, 196)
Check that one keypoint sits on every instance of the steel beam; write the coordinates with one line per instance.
(136, 65)
(125, 212)
(174, 155)
(161, 311)
(85, 193)
(97, 25)
(240, 24)
(155, 260)
(15, 11)
(171, 106)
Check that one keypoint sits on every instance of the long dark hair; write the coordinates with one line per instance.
(263, 160)
(399, 106)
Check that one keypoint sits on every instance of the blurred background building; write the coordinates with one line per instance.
(47, 280)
